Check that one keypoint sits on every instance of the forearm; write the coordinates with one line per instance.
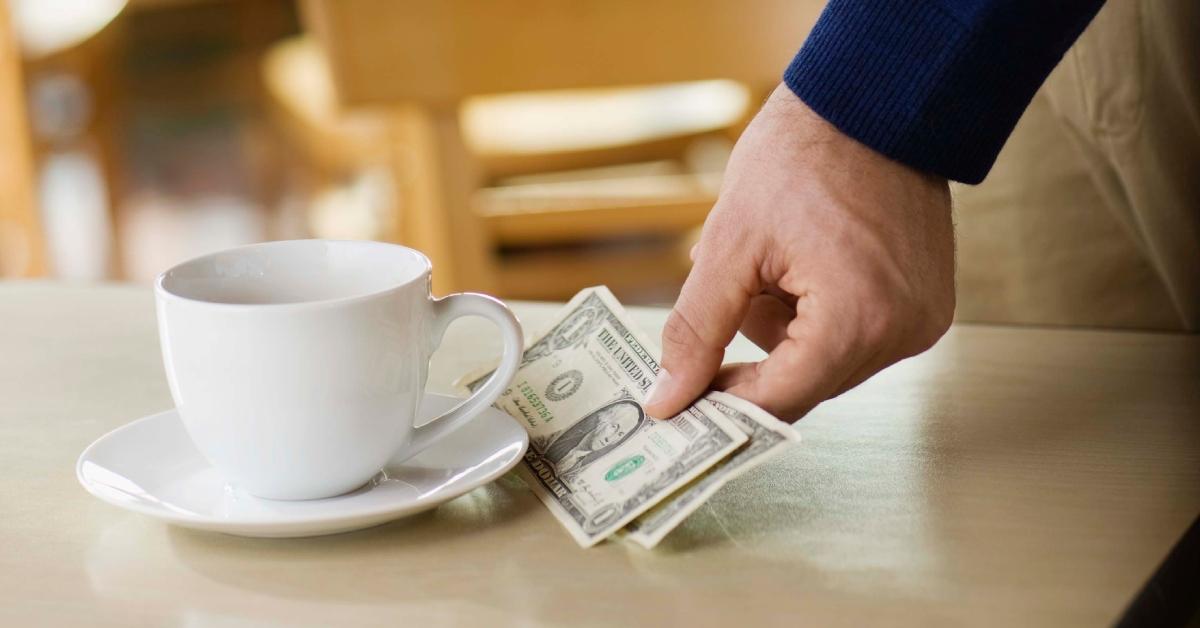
(937, 85)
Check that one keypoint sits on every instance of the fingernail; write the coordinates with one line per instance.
(655, 394)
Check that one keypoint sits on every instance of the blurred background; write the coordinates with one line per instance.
(530, 148)
(159, 130)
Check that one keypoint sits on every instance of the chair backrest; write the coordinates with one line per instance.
(439, 52)
(21, 241)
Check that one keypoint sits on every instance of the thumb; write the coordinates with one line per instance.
(710, 308)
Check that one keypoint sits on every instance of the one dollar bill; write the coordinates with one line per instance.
(595, 459)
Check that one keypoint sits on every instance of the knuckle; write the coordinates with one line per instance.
(925, 339)
(879, 324)
(934, 323)
(942, 319)
(878, 317)
(899, 319)
(938, 322)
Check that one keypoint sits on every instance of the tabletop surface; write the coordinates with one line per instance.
(1009, 476)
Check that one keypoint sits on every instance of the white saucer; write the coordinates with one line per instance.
(150, 466)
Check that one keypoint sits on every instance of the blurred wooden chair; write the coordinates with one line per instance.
(449, 73)
(598, 155)
(328, 153)
(303, 104)
(22, 248)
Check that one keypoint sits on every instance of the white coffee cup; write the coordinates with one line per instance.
(297, 366)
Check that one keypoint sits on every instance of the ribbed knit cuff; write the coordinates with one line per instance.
(940, 92)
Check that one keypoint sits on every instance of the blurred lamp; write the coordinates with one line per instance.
(47, 26)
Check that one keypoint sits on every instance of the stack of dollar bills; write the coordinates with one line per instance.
(597, 461)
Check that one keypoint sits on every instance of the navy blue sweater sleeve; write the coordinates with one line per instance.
(937, 85)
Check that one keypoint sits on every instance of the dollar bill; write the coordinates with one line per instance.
(768, 437)
(595, 459)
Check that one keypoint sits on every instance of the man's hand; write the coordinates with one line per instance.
(834, 259)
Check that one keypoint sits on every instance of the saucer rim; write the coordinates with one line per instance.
(282, 523)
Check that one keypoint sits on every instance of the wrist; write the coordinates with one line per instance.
(815, 142)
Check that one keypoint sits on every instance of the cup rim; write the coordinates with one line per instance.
(163, 292)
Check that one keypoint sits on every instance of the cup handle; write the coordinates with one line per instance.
(446, 310)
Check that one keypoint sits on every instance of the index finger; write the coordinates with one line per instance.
(710, 308)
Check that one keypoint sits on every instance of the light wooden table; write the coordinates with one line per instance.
(1007, 477)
